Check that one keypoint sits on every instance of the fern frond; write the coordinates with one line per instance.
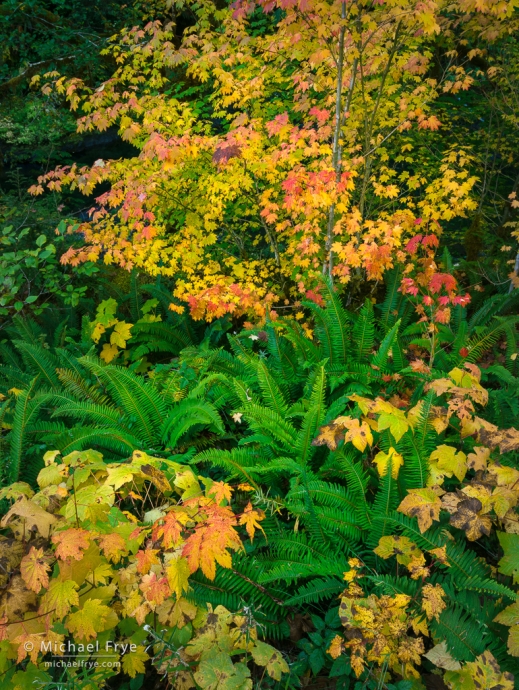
(364, 331)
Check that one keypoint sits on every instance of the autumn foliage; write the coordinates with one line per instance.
(300, 154)
(259, 397)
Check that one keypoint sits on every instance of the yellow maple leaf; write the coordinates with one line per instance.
(432, 601)
(109, 352)
(177, 572)
(477, 460)
(250, 518)
(220, 491)
(121, 333)
(60, 597)
(133, 662)
(359, 433)
(445, 461)
(34, 569)
(382, 461)
(424, 504)
(86, 623)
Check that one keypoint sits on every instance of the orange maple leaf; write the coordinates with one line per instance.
(209, 543)
(170, 530)
(220, 491)
(113, 546)
(145, 559)
(155, 590)
(71, 543)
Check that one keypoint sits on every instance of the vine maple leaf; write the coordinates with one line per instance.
(329, 435)
(265, 655)
(60, 597)
(445, 461)
(391, 418)
(382, 461)
(33, 514)
(86, 623)
(113, 546)
(177, 572)
(133, 662)
(477, 460)
(359, 433)
(121, 333)
(170, 528)
(468, 517)
(485, 670)
(220, 491)
(209, 543)
(250, 518)
(424, 504)
(71, 543)
(34, 570)
(145, 559)
(155, 589)
(432, 601)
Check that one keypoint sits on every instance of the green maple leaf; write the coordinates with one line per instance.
(265, 655)
(217, 672)
(395, 421)
(29, 679)
(61, 596)
(509, 564)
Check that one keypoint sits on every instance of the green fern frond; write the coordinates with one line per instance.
(364, 331)
(139, 399)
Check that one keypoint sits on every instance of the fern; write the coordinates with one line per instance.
(364, 331)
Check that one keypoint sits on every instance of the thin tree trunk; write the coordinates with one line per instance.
(336, 156)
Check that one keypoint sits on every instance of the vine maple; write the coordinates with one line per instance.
(104, 564)
(310, 161)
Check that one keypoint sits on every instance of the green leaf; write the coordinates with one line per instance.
(265, 655)
(509, 564)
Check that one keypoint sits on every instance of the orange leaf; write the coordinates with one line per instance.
(145, 559)
(209, 543)
(71, 543)
(170, 530)
(220, 491)
(113, 546)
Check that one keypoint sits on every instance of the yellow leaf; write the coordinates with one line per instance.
(34, 570)
(86, 623)
(177, 572)
(33, 515)
(382, 461)
(432, 601)
(446, 461)
(60, 596)
(121, 334)
(133, 662)
(109, 352)
(441, 657)
(250, 518)
(424, 504)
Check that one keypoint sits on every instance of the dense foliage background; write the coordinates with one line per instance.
(258, 344)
